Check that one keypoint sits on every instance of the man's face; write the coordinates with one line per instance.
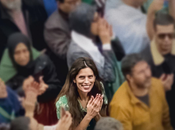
(11, 4)
(68, 5)
(164, 38)
(141, 75)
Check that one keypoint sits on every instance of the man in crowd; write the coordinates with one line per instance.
(133, 28)
(23, 16)
(57, 35)
(140, 103)
(161, 57)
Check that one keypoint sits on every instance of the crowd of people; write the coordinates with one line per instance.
(87, 64)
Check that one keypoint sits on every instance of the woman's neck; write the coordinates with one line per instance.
(83, 96)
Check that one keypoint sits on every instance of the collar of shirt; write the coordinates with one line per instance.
(157, 56)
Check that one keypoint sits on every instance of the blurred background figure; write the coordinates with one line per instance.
(108, 123)
(161, 57)
(140, 103)
(10, 106)
(57, 36)
(92, 37)
(50, 6)
(27, 69)
(29, 101)
(27, 17)
(134, 32)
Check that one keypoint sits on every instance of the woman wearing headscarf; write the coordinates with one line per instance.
(26, 70)
(92, 37)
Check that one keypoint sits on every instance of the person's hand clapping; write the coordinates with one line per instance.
(105, 31)
(94, 106)
(42, 86)
(27, 82)
(30, 99)
(167, 81)
(65, 121)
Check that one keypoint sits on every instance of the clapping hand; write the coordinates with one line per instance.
(94, 105)
(167, 81)
(65, 121)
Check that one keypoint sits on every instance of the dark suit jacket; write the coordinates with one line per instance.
(165, 67)
(57, 36)
(35, 16)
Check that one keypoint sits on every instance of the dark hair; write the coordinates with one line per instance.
(163, 19)
(129, 61)
(81, 19)
(20, 123)
(13, 41)
(70, 88)
(61, 1)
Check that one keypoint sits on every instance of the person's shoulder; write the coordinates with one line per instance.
(62, 101)
(121, 97)
(54, 21)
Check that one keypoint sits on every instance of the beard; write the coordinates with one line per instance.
(13, 5)
(145, 84)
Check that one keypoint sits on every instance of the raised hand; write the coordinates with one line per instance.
(94, 105)
(27, 82)
(105, 31)
(3, 91)
(42, 85)
(65, 122)
(31, 94)
(167, 81)
(156, 5)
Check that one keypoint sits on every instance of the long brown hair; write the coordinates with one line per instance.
(70, 88)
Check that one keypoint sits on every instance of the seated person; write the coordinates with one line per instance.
(10, 106)
(41, 69)
(82, 95)
(140, 103)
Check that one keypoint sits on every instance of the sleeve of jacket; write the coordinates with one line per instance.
(166, 114)
(58, 41)
(123, 115)
(109, 70)
(118, 49)
(50, 78)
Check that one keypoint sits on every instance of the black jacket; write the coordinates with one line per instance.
(43, 67)
(35, 17)
(166, 67)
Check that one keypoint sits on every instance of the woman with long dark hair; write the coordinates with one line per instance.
(82, 94)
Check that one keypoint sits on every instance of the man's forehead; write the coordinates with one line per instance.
(165, 28)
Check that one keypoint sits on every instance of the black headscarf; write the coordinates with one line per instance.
(13, 41)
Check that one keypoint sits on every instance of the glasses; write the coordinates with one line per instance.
(169, 35)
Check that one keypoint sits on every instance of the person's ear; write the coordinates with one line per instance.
(74, 81)
(128, 77)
